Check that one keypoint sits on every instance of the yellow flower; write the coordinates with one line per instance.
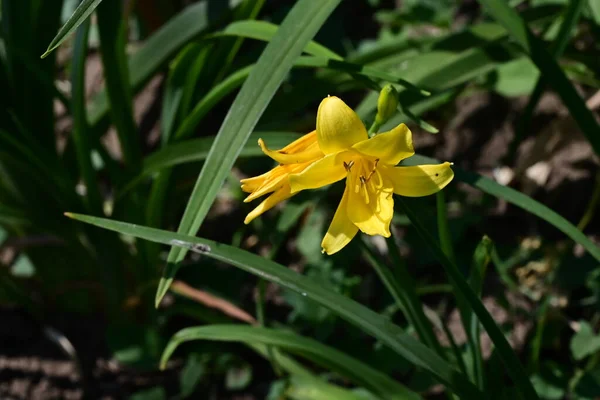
(369, 168)
(293, 158)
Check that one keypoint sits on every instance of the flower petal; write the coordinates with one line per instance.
(368, 209)
(301, 143)
(268, 203)
(249, 185)
(338, 126)
(389, 147)
(421, 180)
(324, 172)
(341, 230)
(269, 186)
(294, 153)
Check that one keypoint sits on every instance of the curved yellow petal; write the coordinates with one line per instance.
(301, 143)
(338, 126)
(389, 147)
(369, 209)
(283, 156)
(341, 230)
(268, 203)
(249, 185)
(268, 187)
(324, 172)
(421, 180)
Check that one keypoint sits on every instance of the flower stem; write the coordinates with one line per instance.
(443, 227)
(374, 128)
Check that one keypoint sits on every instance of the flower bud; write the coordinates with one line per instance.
(386, 104)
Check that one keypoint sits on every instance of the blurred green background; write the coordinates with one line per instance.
(118, 120)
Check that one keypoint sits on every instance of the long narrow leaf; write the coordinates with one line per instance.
(513, 367)
(81, 137)
(197, 150)
(298, 28)
(190, 23)
(263, 30)
(82, 12)
(365, 319)
(310, 349)
(548, 67)
(112, 32)
(519, 199)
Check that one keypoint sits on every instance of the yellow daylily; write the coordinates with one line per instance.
(293, 158)
(369, 166)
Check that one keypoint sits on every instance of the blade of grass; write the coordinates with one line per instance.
(513, 367)
(445, 238)
(548, 67)
(155, 53)
(572, 14)
(81, 138)
(481, 259)
(82, 12)
(518, 199)
(401, 286)
(232, 82)
(111, 27)
(264, 31)
(194, 150)
(174, 90)
(310, 349)
(228, 49)
(443, 228)
(353, 312)
(13, 217)
(297, 29)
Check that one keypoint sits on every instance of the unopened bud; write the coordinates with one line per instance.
(386, 104)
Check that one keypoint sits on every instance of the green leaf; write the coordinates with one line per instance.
(594, 6)
(191, 374)
(517, 198)
(310, 349)
(401, 286)
(234, 80)
(571, 17)
(298, 28)
(194, 150)
(12, 217)
(155, 393)
(156, 52)
(263, 30)
(174, 89)
(585, 342)
(79, 16)
(111, 27)
(549, 68)
(516, 78)
(461, 288)
(304, 388)
(80, 134)
(481, 259)
(365, 319)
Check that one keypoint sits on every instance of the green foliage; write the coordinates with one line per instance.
(371, 322)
